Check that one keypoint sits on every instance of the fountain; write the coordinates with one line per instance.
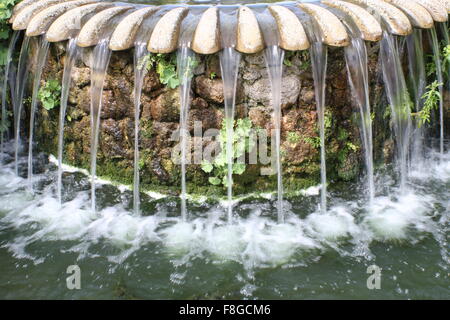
(310, 82)
(235, 29)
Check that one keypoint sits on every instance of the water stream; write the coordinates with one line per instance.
(185, 58)
(319, 56)
(21, 83)
(99, 66)
(437, 61)
(229, 64)
(72, 53)
(40, 63)
(356, 59)
(140, 51)
(4, 112)
(274, 56)
(416, 66)
(400, 104)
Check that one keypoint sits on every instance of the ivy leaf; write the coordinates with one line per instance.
(238, 168)
(214, 181)
(225, 180)
(207, 166)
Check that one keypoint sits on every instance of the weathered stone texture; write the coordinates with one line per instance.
(160, 114)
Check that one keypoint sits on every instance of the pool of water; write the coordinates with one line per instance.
(158, 256)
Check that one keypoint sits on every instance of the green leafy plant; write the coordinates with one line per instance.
(288, 56)
(50, 94)
(313, 141)
(212, 75)
(431, 101)
(431, 68)
(242, 143)
(6, 7)
(446, 59)
(166, 67)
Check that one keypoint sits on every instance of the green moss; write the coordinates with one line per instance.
(146, 128)
(293, 137)
(301, 59)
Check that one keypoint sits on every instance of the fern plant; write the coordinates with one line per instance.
(431, 101)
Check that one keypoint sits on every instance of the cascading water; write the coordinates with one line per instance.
(398, 97)
(186, 63)
(4, 113)
(319, 55)
(185, 58)
(416, 66)
(21, 81)
(41, 60)
(99, 65)
(274, 56)
(444, 30)
(356, 59)
(437, 60)
(71, 57)
(140, 51)
(229, 64)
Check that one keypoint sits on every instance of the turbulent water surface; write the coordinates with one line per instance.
(157, 255)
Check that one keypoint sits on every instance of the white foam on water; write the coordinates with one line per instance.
(436, 167)
(182, 236)
(121, 228)
(14, 202)
(224, 241)
(391, 219)
(255, 240)
(68, 222)
(337, 223)
(9, 182)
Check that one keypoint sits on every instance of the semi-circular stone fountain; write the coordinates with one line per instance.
(231, 40)
(57, 18)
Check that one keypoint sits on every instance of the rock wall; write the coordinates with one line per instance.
(160, 113)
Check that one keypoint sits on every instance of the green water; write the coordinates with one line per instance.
(156, 256)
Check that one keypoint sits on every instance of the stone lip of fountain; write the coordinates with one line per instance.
(59, 19)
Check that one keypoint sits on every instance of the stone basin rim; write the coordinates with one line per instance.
(248, 40)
